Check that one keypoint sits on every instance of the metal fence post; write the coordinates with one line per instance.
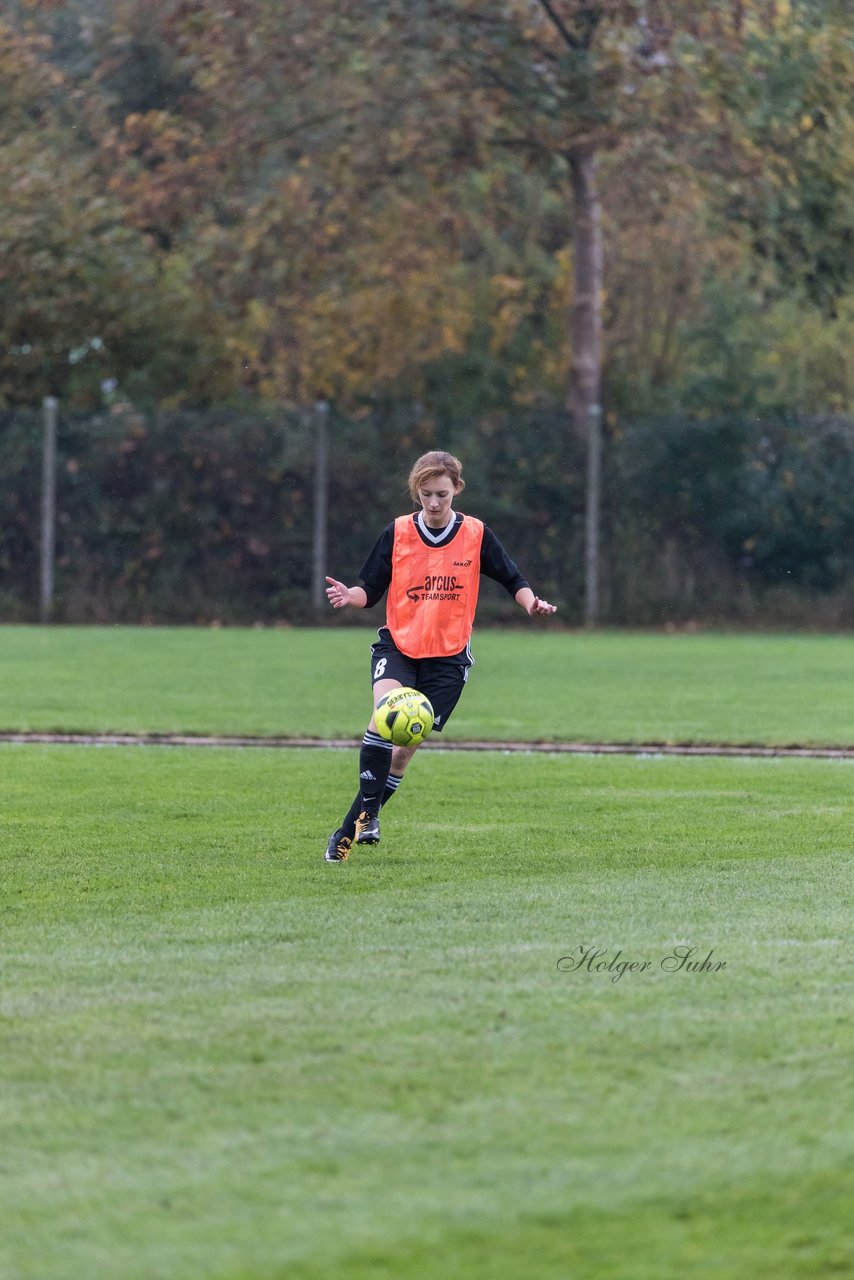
(321, 502)
(592, 516)
(50, 406)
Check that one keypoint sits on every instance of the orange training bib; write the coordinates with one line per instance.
(433, 592)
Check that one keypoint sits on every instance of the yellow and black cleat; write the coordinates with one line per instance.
(367, 828)
(338, 847)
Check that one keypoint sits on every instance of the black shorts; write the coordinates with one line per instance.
(439, 679)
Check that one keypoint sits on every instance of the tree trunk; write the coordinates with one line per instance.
(585, 377)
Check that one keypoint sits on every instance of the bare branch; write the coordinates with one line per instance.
(558, 22)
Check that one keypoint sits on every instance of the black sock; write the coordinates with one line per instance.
(374, 766)
(392, 783)
(348, 826)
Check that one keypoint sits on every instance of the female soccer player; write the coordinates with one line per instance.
(430, 562)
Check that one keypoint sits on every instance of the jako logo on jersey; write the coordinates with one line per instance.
(436, 587)
(462, 564)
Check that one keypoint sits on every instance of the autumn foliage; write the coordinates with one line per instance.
(250, 206)
(206, 199)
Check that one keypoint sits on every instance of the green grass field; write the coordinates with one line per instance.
(534, 683)
(222, 1058)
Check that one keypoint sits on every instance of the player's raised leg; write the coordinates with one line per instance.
(375, 763)
(374, 768)
(400, 758)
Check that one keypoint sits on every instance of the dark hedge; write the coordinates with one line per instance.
(195, 517)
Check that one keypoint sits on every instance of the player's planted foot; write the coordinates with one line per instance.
(338, 847)
(367, 828)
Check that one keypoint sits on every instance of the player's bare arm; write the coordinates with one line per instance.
(532, 604)
(339, 595)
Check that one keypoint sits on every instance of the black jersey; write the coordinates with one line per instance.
(375, 573)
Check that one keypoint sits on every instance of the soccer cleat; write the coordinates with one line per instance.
(338, 847)
(367, 828)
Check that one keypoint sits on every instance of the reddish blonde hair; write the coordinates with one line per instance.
(430, 465)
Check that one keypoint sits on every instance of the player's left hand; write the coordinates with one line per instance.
(541, 606)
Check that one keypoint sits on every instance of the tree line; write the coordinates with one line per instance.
(218, 198)
(595, 213)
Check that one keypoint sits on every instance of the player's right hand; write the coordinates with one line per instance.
(337, 593)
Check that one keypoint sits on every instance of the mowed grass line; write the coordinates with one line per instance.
(223, 1058)
(531, 684)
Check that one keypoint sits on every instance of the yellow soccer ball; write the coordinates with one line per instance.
(404, 717)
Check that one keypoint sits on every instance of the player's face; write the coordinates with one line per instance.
(436, 496)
